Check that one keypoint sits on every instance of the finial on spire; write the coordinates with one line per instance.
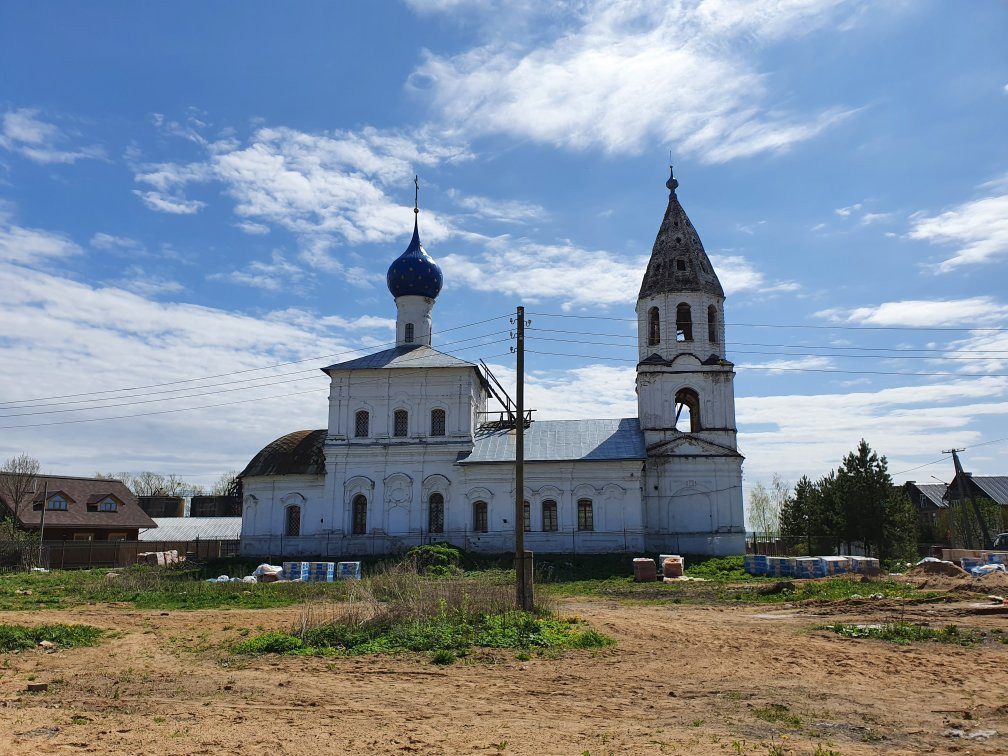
(416, 195)
(671, 183)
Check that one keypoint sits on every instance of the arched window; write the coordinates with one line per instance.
(527, 515)
(686, 400)
(400, 423)
(683, 323)
(480, 524)
(435, 513)
(549, 515)
(586, 518)
(653, 327)
(293, 520)
(712, 329)
(359, 515)
(362, 424)
(437, 422)
(408, 336)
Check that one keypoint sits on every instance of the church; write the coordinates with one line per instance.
(410, 457)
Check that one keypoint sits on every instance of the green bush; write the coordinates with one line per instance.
(435, 558)
(443, 657)
(905, 633)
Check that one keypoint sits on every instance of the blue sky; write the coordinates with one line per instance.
(193, 192)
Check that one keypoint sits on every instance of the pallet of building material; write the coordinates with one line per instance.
(348, 570)
(835, 565)
(969, 562)
(644, 570)
(954, 555)
(672, 566)
(997, 557)
(863, 565)
(756, 564)
(780, 566)
(808, 568)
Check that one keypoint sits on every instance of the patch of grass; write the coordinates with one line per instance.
(19, 637)
(870, 736)
(443, 657)
(518, 630)
(778, 714)
(905, 633)
(149, 587)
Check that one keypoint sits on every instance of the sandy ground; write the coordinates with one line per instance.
(682, 679)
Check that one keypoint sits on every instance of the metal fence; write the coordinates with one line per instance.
(16, 556)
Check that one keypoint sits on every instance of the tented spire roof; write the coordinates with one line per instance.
(678, 262)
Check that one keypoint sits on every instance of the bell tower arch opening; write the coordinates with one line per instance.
(654, 327)
(683, 322)
(687, 411)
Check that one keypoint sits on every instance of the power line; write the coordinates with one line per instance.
(730, 344)
(387, 345)
(312, 371)
(190, 409)
(794, 354)
(205, 393)
(785, 325)
(790, 369)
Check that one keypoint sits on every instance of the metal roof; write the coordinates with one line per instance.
(933, 492)
(193, 528)
(555, 440)
(403, 356)
(995, 486)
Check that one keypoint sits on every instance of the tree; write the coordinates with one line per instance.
(225, 484)
(798, 515)
(18, 478)
(764, 512)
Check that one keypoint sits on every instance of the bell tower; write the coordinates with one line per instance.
(686, 396)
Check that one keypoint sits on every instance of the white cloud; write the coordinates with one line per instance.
(504, 211)
(322, 187)
(21, 131)
(809, 434)
(623, 76)
(167, 204)
(845, 212)
(278, 274)
(973, 311)
(112, 243)
(580, 277)
(26, 246)
(978, 229)
(146, 284)
(115, 337)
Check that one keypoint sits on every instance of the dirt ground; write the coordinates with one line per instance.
(682, 679)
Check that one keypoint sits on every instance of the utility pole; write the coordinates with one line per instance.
(960, 475)
(45, 496)
(524, 588)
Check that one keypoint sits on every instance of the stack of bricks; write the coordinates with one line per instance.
(863, 565)
(672, 565)
(644, 570)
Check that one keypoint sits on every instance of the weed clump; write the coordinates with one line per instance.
(18, 637)
(905, 633)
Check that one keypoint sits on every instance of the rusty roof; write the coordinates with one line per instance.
(297, 453)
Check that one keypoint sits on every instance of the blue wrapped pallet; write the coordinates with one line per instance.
(968, 563)
(809, 567)
(997, 557)
(780, 566)
(348, 570)
(756, 564)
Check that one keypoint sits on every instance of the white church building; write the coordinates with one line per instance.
(408, 456)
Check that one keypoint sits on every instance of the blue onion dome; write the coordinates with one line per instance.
(414, 272)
